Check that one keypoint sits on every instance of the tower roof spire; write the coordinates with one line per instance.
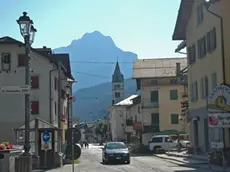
(117, 75)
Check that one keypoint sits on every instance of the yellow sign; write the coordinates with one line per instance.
(219, 99)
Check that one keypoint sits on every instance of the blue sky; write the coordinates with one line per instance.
(144, 27)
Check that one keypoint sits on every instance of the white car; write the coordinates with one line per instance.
(160, 141)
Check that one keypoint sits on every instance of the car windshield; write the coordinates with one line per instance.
(115, 146)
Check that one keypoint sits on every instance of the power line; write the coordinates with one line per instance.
(96, 62)
(89, 74)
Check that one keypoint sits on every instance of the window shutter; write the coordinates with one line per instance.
(201, 88)
(191, 92)
(214, 80)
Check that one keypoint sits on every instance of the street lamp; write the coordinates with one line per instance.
(28, 33)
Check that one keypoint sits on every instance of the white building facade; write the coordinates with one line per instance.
(123, 116)
(44, 86)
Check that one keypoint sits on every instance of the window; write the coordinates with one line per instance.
(201, 47)
(154, 82)
(206, 86)
(195, 91)
(155, 119)
(34, 81)
(214, 80)
(34, 107)
(135, 120)
(174, 119)
(192, 54)
(21, 60)
(173, 81)
(138, 109)
(117, 94)
(55, 108)
(211, 40)
(6, 61)
(200, 14)
(157, 139)
(55, 83)
(113, 102)
(173, 95)
(117, 86)
(154, 96)
(202, 88)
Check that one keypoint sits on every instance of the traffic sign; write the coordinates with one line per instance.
(46, 136)
(24, 89)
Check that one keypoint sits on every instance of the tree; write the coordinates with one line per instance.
(101, 129)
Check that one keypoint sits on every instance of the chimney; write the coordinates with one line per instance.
(44, 47)
(177, 69)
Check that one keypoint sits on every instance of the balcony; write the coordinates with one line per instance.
(129, 129)
(184, 95)
(153, 128)
(146, 103)
(184, 76)
(129, 122)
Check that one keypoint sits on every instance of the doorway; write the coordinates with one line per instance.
(196, 134)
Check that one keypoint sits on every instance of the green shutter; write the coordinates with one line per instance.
(155, 119)
(174, 119)
(173, 95)
(154, 96)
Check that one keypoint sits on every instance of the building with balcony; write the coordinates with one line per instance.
(160, 93)
(123, 116)
(44, 86)
(201, 31)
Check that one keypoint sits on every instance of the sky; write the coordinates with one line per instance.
(144, 27)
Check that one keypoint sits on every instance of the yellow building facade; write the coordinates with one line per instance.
(202, 31)
(161, 92)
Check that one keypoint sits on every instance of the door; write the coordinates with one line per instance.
(196, 135)
(206, 135)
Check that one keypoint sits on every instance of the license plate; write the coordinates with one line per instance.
(118, 157)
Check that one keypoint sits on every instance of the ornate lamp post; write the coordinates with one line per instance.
(28, 33)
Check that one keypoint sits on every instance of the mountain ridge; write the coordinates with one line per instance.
(96, 47)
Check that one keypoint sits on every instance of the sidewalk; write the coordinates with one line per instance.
(185, 160)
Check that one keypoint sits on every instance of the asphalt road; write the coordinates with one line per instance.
(90, 161)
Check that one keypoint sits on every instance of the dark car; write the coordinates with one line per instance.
(115, 151)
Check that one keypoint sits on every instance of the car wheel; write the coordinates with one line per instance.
(103, 161)
(128, 162)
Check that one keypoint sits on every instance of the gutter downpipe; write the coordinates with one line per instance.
(50, 94)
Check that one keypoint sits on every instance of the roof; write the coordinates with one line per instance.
(45, 52)
(117, 75)
(127, 102)
(64, 59)
(155, 68)
(184, 13)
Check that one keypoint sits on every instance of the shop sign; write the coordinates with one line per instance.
(219, 106)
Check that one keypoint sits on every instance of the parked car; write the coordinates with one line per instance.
(115, 151)
(161, 141)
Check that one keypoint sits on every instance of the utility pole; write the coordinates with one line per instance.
(59, 108)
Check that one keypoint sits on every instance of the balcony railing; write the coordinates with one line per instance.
(152, 128)
(147, 103)
(184, 76)
(129, 122)
(129, 129)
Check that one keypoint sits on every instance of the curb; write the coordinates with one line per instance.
(188, 157)
(177, 162)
